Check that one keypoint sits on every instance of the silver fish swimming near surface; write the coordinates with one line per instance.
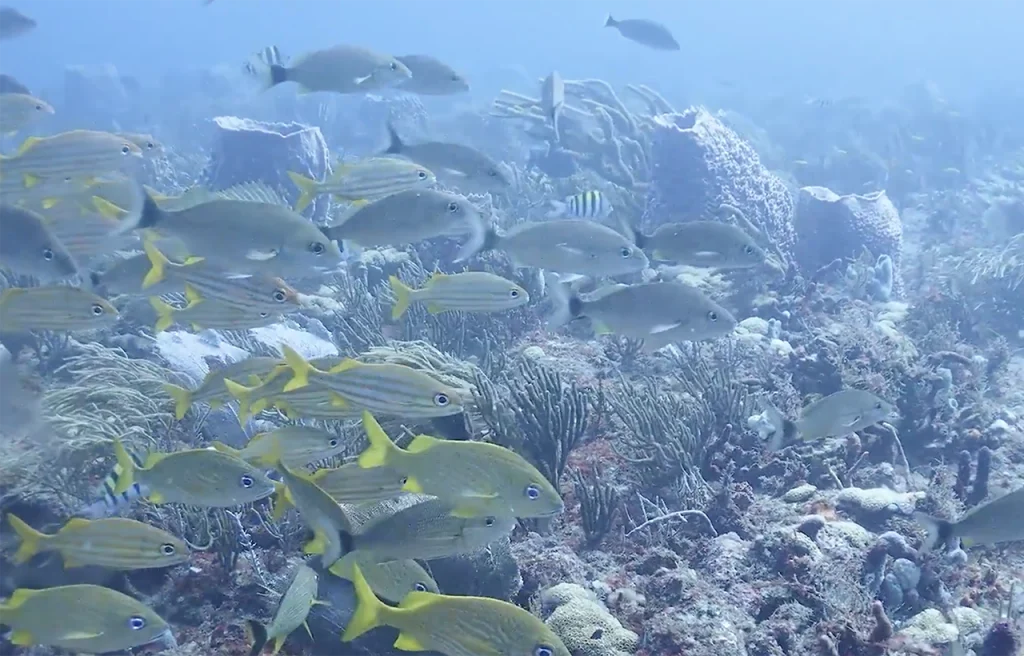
(431, 77)
(440, 156)
(993, 522)
(552, 101)
(838, 414)
(702, 244)
(645, 32)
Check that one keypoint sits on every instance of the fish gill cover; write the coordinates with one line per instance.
(553, 335)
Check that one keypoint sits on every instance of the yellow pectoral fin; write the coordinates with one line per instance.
(407, 642)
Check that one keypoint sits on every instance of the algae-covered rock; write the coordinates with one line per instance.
(583, 623)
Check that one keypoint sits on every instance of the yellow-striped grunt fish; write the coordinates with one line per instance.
(470, 291)
(390, 389)
(29, 247)
(213, 391)
(320, 513)
(149, 146)
(350, 484)
(454, 626)
(116, 543)
(199, 477)
(74, 154)
(202, 313)
(477, 477)
(291, 613)
(391, 580)
(364, 181)
(86, 236)
(292, 446)
(19, 110)
(53, 308)
(82, 619)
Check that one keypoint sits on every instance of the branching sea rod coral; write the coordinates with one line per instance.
(536, 413)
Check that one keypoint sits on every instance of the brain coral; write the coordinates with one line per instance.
(584, 624)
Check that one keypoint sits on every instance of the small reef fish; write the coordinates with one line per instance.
(213, 391)
(453, 626)
(245, 236)
(62, 309)
(364, 181)
(202, 313)
(479, 478)
(198, 477)
(645, 32)
(441, 156)
(19, 110)
(659, 313)
(68, 155)
(85, 236)
(412, 216)
(109, 503)
(341, 69)
(838, 414)
(569, 246)
(392, 580)
(124, 275)
(994, 522)
(702, 244)
(431, 77)
(350, 483)
(29, 247)
(470, 291)
(587, 205)
(92, 619)
(149, 146)
(292, 446)
(115, 543)
(320, 513)
(552, 101)
(291, 613)
(390, 389)
(10, 84)
(14, 23)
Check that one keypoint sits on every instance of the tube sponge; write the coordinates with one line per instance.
(584, 624)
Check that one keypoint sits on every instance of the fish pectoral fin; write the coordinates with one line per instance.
(664, 328)
(569, 250)
(261, 254)
(407, 642)
(80, 635)
(602, 329)
(305, 625)
(853, 422)
(360, 80)
(22, 638)
(156, 497)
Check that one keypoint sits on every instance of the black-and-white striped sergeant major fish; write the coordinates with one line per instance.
(586, 205)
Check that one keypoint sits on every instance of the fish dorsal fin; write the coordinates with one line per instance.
(77, 523)
(19, 597)
(437, 275)
(345, 365)
(152, 459)
(27, 145)
(255, 191)
(192, 197)
(422, 443)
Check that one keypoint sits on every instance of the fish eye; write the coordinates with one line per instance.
(264, 314)
(39, 108)
(317, 248)
(878, 406)
(626, 251)
(394, 66)
(489, 521)
(422, 175)
(333, 442)
(98, 309)
(748, 249)
(441, 399)
(712, 316)
(167, 549)
(493, 173)
(280, 296)
(532, 492)
(419, 587)
(514, 293)
(125, 150)
(136, 623)
(150, 145)
(247, 481)
(453, 207)
(543, 650)
(403, 480)
(47, 254)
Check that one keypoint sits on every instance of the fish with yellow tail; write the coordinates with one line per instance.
(268, 391)
(62, 309)
(321, 514)
(349, 484)
(390, 389)
(476, 477)
(213, 390)
(364, 181)
(292, 446)
(115, 543)
(201, 313)
(65, 156)
(198, 477)
(83, 619)
(391, 580)
(19, 110)
(469, 291)
(453, 626)
(291, 613)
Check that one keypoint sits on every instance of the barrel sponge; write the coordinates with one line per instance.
(583, 623)
(830, 226)
(699, 164)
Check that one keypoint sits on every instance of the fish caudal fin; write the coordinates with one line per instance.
(300, 369)
(481, 238)
(940, 531)
(784, 431)
(164, 314)
(370, 610)
(567, 305)
(182, 399)
(30, 539)
(148, 214)
(268, 66)
(308, 189)
(243, 395)
(381, 450)
(395, 145)
(256, 633)
(403, 297)
(157, 260)
(126, 465)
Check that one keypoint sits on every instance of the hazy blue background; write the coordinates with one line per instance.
(823, 47)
